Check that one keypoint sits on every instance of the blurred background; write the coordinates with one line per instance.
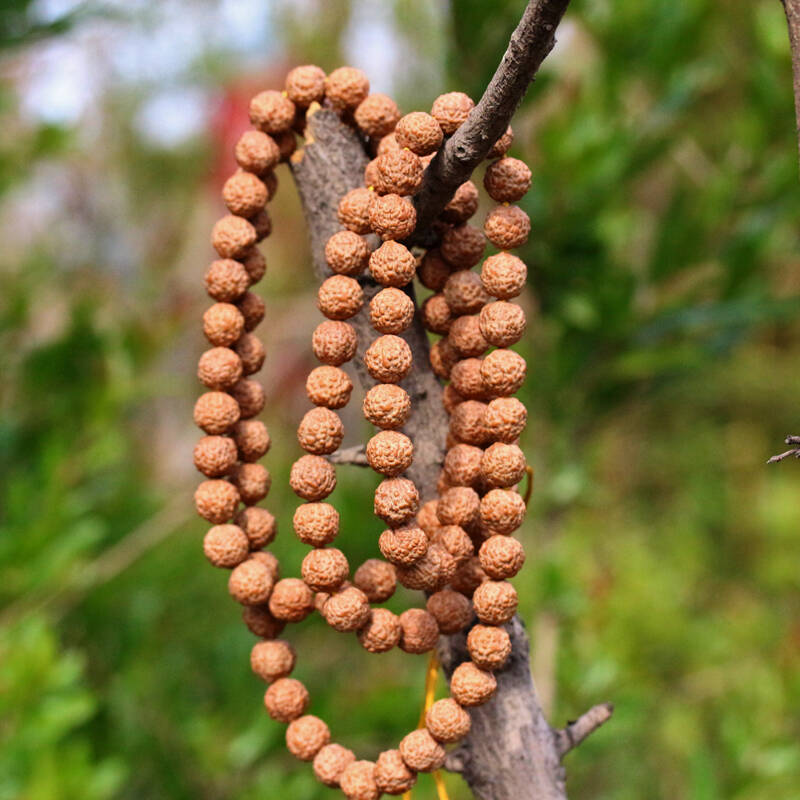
(662, 566)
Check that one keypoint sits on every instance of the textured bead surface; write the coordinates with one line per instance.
(358, 781)
(392, 264)
(231, 236)
(446, 721)
(253, 482)
(223, 324)
(495, 602)
(500, 147)
(272, 660)
(463, 246)
(419, 631)
(388, 359)
(216, 500)
(325, 569)
(306, 736)
(503, 275)
(421, 752)
(226, 280)
(340, 297)
(503, 465)
(489, 646)
(505, 419)
(436, 314)
(376, 579)
(252, 439)
(334, 342)
(392, 216)
(398, 172)
(462, 465)
(466, 338)
(387, 405)
(381, 632)
(291, 600)
(305, 85)
(463, 204)
(451, 110)
(464, 292)
(252, 309)
(271, 111)
(419, 132)
(471, 686)
(251, 352)
(353, 210)
(468, 422)
(390, 453)
(377, 115)
(466, 379)
(459, 505)
(226, 546)
(391, 773)
(347, 610)
(316, 524)
(507, 227)
(259, 526)
(431, 572)
(244, 194)
(251, 583)
(257, 152)
(451, 610)
(320, 431)
(503, 371)
(403, 546)
(330, 762)
(346, 87)
(396, 501)
(502, 511)
(391, 311)
(507, 180)
(215, 456)
(346, 253)
(502, 324)
(286, 699)
(312, 477)
(329, 387)
(249, 394)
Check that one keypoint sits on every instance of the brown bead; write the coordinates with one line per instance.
(244, 194)
(249, 394)
(421, 752)
(340, 297)
(419, 132)
(305, 85)
(433, 271)
(436, 316)
(403, 546)
(502, 324)
(346, 87)
(503, 465)
(376, 579)
(507, 180)
(287, 144)
(398, 171)
(463, 205)
(451, 111)
(330, 762)
(216, 501)
(500, 147)
(466, 379)
(257, 152)
(252, 439)
(390, 453)
(272, 112)
(286, 699)
(347, 253)
(501, 556)
(467, 422)
(353, 210)
(371, 177)
(464, 292)
(259, 526)
(272, 660)
(387, 144)
(503, 372)
(391, 773)
(443, 358)
(392, 264)
(251, 583)
(325, 569)
(357, 781)
(316, 524)
(469, 576)
(254, 264)
(433, 571)
(495, 602)
(381, 632)
(489, 647)
(262, 224)
(502, 511)
(451, 398)
(347, 610)
(446, 721)
(320, 431)
(392, 216)
(452, 611)
(396, 501)
(505, 419)
(231, 236)
(223, 324)
(329, 387)
(387, 405)
(459, 505)
(306, 736)
(507, 227)
(252, 309)
(253, 482)
(388, 359)
(312, 477)
(466, 338)
(456, 541)
(427, 518)
(226, 546)
(269, 560)
(419, 631)
(251, 353)
(471, 686)
(334, 343)
(291, 600)
(260, 622)
(462, 465)
(462, 247)
(377, 115)
(391, 311)
(215, 456)
(226, 280)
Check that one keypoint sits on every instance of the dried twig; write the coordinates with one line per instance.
(576, 731)
(350, 455)
(792, 9)
(795, 451)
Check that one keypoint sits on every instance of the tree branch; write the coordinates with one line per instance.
(530, 43)
(795, 451)
(792, 10)
(576, 731)
(355, 455)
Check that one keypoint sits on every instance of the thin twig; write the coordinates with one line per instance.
(795, 451)
(575, 732)
(350, 455)
(792, 10)
(530, 43)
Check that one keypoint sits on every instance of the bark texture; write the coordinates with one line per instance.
(792, 9)
(511, 751)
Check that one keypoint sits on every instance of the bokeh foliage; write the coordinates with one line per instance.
(663, 350)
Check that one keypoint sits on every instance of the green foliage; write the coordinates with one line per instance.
(663, 349)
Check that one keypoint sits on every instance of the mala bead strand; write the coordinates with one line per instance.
(430, 548)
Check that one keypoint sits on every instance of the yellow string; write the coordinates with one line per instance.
(430, 692)
(529, 489)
